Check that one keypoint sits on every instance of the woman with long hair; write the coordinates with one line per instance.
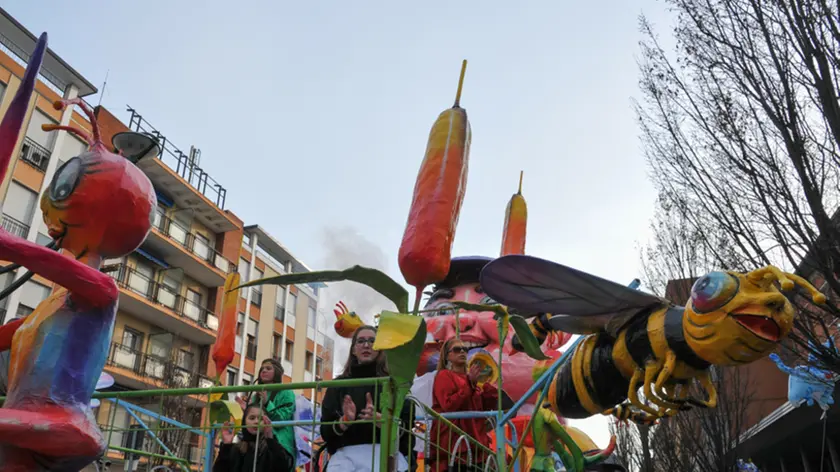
(351, 445)
(278, 405)
(257, 442)
(456, 389)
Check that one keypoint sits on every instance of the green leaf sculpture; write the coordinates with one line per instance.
(373, 278)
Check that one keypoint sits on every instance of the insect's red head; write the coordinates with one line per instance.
(98, 202)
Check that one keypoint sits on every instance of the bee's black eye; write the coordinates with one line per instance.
(66, 179)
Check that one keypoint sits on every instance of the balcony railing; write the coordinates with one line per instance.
(184, 165)
(188, 240)
(160, 294)
(34, 154)
(155, 367)
(15, 227)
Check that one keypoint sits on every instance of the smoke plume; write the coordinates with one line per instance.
(343, 248)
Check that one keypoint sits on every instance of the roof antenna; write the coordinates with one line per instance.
(104, 84)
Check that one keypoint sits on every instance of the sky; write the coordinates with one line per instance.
(315, 115)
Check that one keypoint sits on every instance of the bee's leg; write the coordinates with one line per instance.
(633, 393)
(652, 370)
(706, 382)
(670, 394)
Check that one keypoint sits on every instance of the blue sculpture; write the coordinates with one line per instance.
(809, 384)
(747, 466)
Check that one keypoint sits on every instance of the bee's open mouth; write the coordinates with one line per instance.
(762, 326)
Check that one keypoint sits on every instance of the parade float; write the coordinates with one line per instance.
(514, 312)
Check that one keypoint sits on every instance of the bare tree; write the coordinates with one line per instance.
(704, 439)
(741, 128)
(633, 446)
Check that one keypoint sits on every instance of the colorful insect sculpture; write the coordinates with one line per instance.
(635, 340)
(347, 322)
(97, 206)
(552, 436)
(746, 466)
(809, 384)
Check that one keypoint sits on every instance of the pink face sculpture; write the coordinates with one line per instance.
(478, 330)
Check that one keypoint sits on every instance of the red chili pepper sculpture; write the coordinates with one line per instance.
(98, 206)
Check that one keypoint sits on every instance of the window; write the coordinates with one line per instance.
(201, 246)
(247, 379)
(42, 239)
(246, 240)
(310, 318)
(19, 209)
(308, 362)
(292, 305)
(256, 294)
(279, 311)
(253, 329)
(132, 339)
(35, 133)
(192, 305)
(32, 294)
(276, 351)
(319, 366)
(290, 350)
(238, 343)
(244, 273)
(231, 376)
(2, 91)
(185, 360)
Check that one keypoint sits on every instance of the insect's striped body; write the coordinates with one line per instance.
(598, 375)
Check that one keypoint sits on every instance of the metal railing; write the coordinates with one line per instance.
(156, 368)
(34, 154)
(17, 54)
(159, 294)
(188, 240)
(14, 226)
(181, 163)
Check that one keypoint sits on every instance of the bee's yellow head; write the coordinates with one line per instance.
(734, 319)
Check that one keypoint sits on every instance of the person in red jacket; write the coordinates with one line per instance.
(456, 389)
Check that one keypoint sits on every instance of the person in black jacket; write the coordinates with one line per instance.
(352, 446)
(269, 454)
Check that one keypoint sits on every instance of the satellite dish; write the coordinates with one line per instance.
(135, 146)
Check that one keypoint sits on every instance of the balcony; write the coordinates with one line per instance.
(139, 370)
(189, 185)
(34, 154)
(185, 249)
(14, 226)
(162, 306)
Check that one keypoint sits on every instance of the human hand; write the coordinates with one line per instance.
(267, 429)
(242, 403)
(227, 433)
(369, 412)
(348, 410)
(474, 373)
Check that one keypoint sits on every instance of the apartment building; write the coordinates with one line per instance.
(279, 316)
(171, 287)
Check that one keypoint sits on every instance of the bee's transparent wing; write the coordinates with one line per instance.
(579, 302)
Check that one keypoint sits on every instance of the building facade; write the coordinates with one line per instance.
(171, 287)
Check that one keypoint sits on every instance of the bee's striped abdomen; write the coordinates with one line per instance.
(590, 382)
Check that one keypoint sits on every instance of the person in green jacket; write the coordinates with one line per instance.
(278, 405)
